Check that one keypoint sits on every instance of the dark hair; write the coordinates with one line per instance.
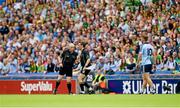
(58, 53)
(83, 44)
(145, 38)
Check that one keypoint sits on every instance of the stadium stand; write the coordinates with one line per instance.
(33, 32)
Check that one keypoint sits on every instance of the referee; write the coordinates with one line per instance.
(85, 62)
(67, 60)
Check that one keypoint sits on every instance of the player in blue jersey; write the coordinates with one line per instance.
(147, 57)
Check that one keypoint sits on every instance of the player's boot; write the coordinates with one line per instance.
(82, 92)
(71, 93)
(54, 91)
(90, 90)
(142, 92)
(153, 91)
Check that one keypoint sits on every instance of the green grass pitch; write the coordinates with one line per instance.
(90, 101)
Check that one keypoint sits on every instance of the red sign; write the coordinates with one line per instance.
(33, 87)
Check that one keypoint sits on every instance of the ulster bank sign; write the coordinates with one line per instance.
(134, 86)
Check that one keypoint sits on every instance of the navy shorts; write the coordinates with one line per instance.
(85, 72)
(146, 68)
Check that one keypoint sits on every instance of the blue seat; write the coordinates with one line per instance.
(163, 72)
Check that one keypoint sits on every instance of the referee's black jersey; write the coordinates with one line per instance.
(68, 58)
(84, 57)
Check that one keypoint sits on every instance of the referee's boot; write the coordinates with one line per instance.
(71, 93)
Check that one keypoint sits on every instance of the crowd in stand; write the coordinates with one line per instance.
(33, 33)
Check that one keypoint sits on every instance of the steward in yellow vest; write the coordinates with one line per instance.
(99, 84)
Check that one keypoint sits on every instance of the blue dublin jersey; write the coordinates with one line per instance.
(147, 53)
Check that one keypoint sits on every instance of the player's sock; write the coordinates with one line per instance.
(82, 87)
(152, 89)
(86, 85)
(69, 87)
(57, 84)
(143, 90)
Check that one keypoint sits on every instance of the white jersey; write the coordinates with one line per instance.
(147, 53)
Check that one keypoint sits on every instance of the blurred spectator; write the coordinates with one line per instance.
(33, 67)
(176, 61)
(4, 29)
(50, 66)
(131, 64)
(159, 65)
(100, 64)
(113, 67)
(1, 67)
(6, 68)
(21, 68)
(146, 2)
(40, 67)
(26, 65)
(123, 65)
(13, 64)
(169, 65)
(106, 67)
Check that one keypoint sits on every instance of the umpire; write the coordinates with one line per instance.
(67, 60)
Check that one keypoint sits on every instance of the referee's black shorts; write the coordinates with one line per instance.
(66, 70)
